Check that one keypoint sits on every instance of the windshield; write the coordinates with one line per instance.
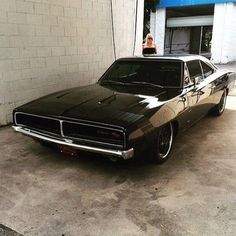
(160, 73)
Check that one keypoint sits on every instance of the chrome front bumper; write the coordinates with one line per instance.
(126, 154)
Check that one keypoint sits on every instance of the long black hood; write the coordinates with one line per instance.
(114, 105)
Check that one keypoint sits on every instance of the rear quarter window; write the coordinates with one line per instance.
(207, 70)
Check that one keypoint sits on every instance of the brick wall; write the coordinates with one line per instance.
(49, 45)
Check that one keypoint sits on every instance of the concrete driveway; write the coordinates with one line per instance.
(43, 192)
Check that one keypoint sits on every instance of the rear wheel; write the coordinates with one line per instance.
(163, 143)
(220, 107)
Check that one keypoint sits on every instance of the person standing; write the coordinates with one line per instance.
(149, 47)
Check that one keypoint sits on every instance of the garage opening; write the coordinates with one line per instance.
(189, 30)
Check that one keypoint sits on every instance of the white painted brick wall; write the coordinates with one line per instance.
(49, 45)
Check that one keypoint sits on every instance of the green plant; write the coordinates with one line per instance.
(150, 5)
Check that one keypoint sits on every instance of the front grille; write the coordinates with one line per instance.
(95, 133)
(80, 132)
(38, 123)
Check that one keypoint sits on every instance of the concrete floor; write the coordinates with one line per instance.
(45, 193)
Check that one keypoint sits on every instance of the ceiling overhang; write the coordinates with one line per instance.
(179, 3)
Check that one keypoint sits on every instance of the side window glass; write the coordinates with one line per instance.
(187, 79)
(207, 70)
(194, 69)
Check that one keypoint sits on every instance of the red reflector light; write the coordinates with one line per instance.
(67, 150)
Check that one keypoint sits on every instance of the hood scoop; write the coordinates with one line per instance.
(108, 99)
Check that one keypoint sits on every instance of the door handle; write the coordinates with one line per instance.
(183, 99)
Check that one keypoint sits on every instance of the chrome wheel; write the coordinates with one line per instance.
(165, 140)
(163, 143)
(220, 107)
(222, 103)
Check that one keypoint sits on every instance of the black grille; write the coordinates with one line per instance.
(84, 131)
(38, 123)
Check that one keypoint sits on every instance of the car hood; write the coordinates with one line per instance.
(117, 105)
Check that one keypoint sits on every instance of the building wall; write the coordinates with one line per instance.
(224, 33)
(157, 28)
(49, 45)
(223, 47)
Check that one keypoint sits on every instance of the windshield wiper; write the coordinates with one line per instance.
(147, 83)
(112, 82)
(132, 83)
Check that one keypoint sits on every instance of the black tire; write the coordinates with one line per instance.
(163, 145)
(220, 107)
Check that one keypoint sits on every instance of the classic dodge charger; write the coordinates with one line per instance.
(137, 106)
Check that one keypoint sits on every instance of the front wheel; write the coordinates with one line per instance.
(163, 143)
(220, 107)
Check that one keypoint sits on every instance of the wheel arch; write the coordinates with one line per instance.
(227, 91)
(175, 125)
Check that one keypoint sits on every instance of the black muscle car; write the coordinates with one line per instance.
(138, 106)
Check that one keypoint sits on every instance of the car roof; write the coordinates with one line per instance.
(181, 57)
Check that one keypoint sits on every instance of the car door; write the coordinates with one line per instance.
(200, 92)
(216, 83)
(188, 100)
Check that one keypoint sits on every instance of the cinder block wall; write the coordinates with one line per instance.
(49, 45)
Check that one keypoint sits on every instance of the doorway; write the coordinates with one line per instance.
(189, 29)
(194, 40)
(200, 40)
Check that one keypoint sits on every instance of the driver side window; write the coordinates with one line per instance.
(187, 80)
(195, 70)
